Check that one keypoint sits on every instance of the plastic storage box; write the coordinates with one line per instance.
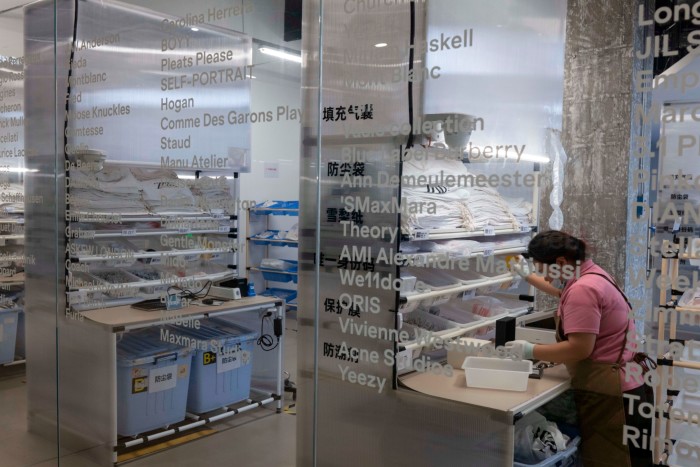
(8, 335)
(497, 373)
(286, 295)
(564, 458)
(288, 274)
(219, 378)
(152, 382)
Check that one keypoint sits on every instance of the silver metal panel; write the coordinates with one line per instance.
(87, 390)
(44, 294)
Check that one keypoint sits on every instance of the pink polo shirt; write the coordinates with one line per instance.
(591, 304)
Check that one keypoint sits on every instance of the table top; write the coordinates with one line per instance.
(554, 382)
(126, 316)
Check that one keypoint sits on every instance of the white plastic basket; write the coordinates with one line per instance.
(497, 373)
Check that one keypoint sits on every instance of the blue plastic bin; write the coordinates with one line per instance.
(20, 351)
(263, 241)
(153, 377)
(276, 275)
(287, 295)
(221, 374)
(8, 335)
(270, 208)
(278, 208)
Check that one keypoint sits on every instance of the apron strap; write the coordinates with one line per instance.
(612, 281)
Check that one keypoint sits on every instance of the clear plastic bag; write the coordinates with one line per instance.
(537, 439)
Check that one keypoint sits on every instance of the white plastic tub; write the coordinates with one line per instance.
(497, 373)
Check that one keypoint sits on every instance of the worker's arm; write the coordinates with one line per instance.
(522, 268)
(577, 348)
(540, 283)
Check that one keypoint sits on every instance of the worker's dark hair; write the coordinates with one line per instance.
(546, 247)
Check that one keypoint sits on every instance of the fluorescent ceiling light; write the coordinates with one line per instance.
(281, 54)
(534, 158)
(194, 177)
(380, 45)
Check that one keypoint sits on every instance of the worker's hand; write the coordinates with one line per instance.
(520, 266)
(520, 349)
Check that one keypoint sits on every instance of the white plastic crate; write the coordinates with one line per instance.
(497, 373)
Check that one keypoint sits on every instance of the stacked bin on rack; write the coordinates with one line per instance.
(220, 374)
(8, 335)
(152, 382)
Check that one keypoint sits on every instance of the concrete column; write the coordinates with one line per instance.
(598, 131)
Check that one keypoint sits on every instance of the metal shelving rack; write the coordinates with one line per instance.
(263, 214)
(16, 279)
(99, 329)
(445, 294)
(665, 396)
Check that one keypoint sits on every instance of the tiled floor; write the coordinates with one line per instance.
(265, 439)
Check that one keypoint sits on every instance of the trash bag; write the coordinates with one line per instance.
(537, 439)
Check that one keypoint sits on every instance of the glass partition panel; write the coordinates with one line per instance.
(173, 233)
(28, 125)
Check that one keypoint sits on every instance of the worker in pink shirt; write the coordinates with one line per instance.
(592, 327)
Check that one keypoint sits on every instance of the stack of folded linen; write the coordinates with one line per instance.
(164, 193)
(423, 181)
(521, 210)
(457, 248)
(111, 190)
(488, 208)
(12, 199)
(213, 194)
(511, 241)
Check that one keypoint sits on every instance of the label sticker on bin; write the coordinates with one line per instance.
(403, 360)
(469, 294)
(162, 379)
(208, 358)
(139, 384)
(228, 361)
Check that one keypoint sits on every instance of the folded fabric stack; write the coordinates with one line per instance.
(12, 199)
(450, 211)
(164, 193)
(487, 208)
(213, 194)
(511, 241)
(293, 233)
(457, 248)
(521, 210)
(111, 190)
(457, 205)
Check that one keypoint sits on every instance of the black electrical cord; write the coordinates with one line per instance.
(187, 293)
(266, 341)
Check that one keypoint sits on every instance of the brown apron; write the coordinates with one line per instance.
(600, 409)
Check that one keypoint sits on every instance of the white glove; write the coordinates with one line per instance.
(520, 349)
(520, 266)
